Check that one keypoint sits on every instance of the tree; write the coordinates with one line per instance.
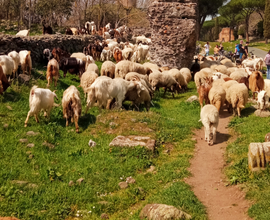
(246, 8)
(266, 23)
(216, 28)
(206, 8)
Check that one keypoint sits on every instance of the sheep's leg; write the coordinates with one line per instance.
(165, 91)
(55, 81)
(234, 111)
(253, 94)
(207, 132)
(214, 129)
(27, 118)
(201, 101)
(66, 121)
(239, 111)
(76, 119)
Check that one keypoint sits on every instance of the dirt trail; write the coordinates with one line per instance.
(208, 179)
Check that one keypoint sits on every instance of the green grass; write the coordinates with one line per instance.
(249, 128)
(170, 122)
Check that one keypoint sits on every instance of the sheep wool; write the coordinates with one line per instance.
(108, 69)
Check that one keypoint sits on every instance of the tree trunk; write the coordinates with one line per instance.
(266, 40)
(85, 8)
(202, 19)
(30, 8)
(247, 23)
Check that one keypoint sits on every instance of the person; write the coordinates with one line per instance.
(216, 50)
(267, 63)
(241, 48)
(246, 49)
(207, 48)
(221, 48)
(237, 51)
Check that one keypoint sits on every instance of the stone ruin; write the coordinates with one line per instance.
(173, 32)
(224, 35)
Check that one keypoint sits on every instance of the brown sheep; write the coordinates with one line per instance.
(204, 89)
(256, 82)
(52, 72)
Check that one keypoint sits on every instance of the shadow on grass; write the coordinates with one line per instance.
(221, 138)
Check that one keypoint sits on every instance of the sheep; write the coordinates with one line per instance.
(93, 67)
(228, 84)
(226, 60)
(200, 76)
(87, 59)
(218, 82)
(72, 106)
(176, 74)
(108, 69)
(244, 80)
(166, 80)
(164, 68)
(222, 69)
(204, 89)
(152, 66)
(74, 31)
(142, 52)
(237, 97)
(23, 33)
(126, 66)
(217, 96)
(232, 69)
(16, 59)
(256, 64)
(106, 54)
(40, 99)
(87, 79)
(256, 82)
(117, 54)
(187, 74)
(267, 86)
(237, 75)
(105, 89)
(210, 120)
(26, 61)
(263, 99)
(52, 71)
(127, 53)
(4, 84)
(7, 64)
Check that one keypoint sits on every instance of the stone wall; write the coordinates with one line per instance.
(36, 44)
(173, 32)
(224, 35)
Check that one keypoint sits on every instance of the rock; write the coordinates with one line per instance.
(133, 141)
(19, 182)
(171, 27)
(24, 79)
(113, 124)
(130, 180)
(32, 133)
(51, 146)
(5, 125)
(9, 107)
(30, 145)
(151, 169)
(267, 137)
(193, 99)
(79, 181)
(31, 156)
(123, 185)
(104, 216)
(258, 155)
(23, 140)
(71, 183)
(92, 143)
(162, 212)
(262, 114)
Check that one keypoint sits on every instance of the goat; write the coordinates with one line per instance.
(204, 89)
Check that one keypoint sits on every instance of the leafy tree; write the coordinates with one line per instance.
(266, 23)
(246, 8)
(216, 28)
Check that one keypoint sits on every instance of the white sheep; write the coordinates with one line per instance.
(201, 75)
(127, 53)
(126, 66)
(186, 73)
(237, 75)
(40, 99)
(16, 59)
(87, 79)
(176, 74)
(92, 67)
(25, 61)
(152, 66)
(72, 106)
(217, 96)
(263, 100)
(7, 64)
(210, 120)
(267, 86)
(228, 84)
(106, 54)
(108, 69)
(222, 69)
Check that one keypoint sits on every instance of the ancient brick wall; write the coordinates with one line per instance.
(224, 35)
(36, 44)
(173, 32)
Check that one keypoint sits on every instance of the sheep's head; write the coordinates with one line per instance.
(262, 99)
(148, 71)
(139, 87)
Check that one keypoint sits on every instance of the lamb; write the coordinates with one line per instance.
(127, 53)
(106, 54)
(176, 74)
(52, 71)
(263, 99)
(217, 96)
(72, 106)
(237, 97)
(210, 120)
(23, 33)
(16, 59)
(105, 89)
(93, 67)
(126, 66)
(7, 64)
(186, 73)
(87, 79)
(26, 61)
(4, 84)
(108, 69)
(40, 99)
(204, 89)
(256, 82)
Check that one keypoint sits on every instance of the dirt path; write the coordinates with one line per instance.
(208, 180)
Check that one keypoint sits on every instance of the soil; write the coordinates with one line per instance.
(208, 180)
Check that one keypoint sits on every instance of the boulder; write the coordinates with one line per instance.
(193, 99)
(262, 114)
(23, 140)
(24, 79)
(32, 133)
(92, 143)
(133, 141)
(258, 155)
(130, 180)
(104, 216)
(123, 185)
(162, 212)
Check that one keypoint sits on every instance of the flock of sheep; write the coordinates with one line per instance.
(224, 82)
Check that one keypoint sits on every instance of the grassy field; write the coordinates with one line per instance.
(47, 169)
